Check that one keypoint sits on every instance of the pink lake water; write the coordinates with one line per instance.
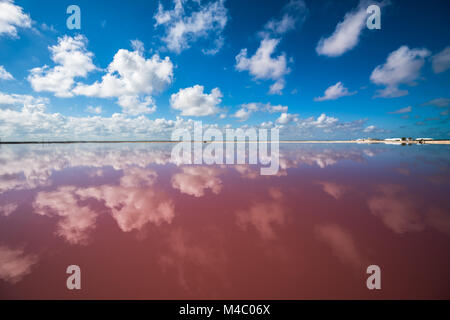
(142, 227)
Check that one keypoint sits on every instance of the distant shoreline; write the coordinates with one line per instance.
(281, 141)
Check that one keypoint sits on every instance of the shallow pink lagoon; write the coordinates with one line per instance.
(141, 227)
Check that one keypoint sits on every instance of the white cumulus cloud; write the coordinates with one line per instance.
(275, 108)
(277, 87)
(25, 117)
(71, 60)
(286, 118)
(181, 28)
(11, 18)
(262, 66)
(5, 75)
(335, 92)
(130, 73)
(247, 109)
(132, 78)
(193, 101)
(22, 102)
(401, 67)
(243, 114)
(347, 33)
(312, 127)
(133, 105)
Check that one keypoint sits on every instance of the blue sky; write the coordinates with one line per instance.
(139, 69)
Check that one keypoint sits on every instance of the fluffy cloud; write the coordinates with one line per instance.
(25, 103)
(441, 61)
(15, 264)
(72, 60)
(310, 127)
(263, 66)
(277, 108)
(243, 114)
(293, 127)
(324, 121)
(335, 92)
(247, 109)
(347, 33)
(129, 76)
(401, 67)
(5, 75)
(193, 101)
(20, 125)
(11, 18)
(286, 118)
(132, 105)
(277, 87)
(182, 28)
(24, 117)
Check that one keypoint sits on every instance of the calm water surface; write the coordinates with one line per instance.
(140, 226)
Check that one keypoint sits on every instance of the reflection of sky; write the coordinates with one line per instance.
(215, 231)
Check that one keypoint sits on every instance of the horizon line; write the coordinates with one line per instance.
(368, 141)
